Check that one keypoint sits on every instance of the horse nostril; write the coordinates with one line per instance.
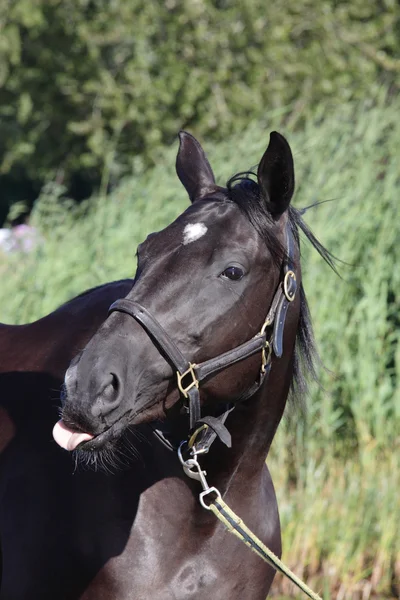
(109, 398)
(111, 390)
(114, 383)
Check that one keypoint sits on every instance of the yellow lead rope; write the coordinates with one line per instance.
(236, 526)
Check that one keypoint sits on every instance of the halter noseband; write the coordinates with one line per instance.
(191, 375)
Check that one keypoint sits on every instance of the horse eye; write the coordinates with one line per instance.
(233, 273)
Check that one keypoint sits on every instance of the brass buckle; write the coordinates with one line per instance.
(193, 383)
(266, 353)
(289, 296)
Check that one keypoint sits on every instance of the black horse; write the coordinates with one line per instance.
(218, 298)
(209, 279)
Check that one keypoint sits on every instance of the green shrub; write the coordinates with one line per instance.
(90, 89)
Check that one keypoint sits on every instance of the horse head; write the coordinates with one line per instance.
(205, 284)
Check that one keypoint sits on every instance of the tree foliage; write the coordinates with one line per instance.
(93, 87)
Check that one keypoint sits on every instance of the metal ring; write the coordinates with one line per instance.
(205, 493)
(180, 455)
(194, 435)
(286, 286)
(266, 324)
(266, 354)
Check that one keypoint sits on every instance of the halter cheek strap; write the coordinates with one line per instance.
(288, 294)
(191, 375)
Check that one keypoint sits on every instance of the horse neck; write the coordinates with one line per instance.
(15, 347)
(51, 342)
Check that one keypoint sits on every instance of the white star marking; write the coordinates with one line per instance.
(193, 232)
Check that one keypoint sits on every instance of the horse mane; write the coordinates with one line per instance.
(244, 191)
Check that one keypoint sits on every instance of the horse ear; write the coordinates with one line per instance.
(193, 168)
(275, 175)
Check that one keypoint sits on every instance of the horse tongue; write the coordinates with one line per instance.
(68, 439)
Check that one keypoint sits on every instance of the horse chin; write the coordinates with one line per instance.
(107, 438)
(110, 451)
(113, 448)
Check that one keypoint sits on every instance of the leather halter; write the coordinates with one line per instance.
(191, 375)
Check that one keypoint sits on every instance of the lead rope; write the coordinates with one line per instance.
(233, 523)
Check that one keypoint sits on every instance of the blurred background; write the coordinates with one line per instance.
(92, 96)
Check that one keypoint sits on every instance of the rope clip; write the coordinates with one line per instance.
(192, 469)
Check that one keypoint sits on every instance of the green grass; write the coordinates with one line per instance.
(336, 468)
